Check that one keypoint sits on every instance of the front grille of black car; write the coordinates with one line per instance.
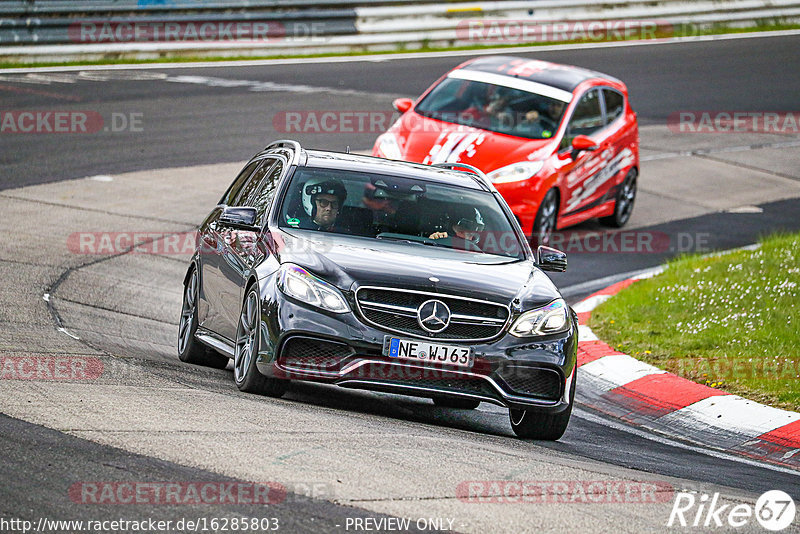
(428, 378)
(533, 381)
(310, 354)
(396, 310)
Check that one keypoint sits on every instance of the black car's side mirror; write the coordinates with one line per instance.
(239, 218)
(550, 259)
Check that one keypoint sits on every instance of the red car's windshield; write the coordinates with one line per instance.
(493, 107)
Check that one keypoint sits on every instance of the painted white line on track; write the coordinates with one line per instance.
(585, 333)
(731, 413)
(410, 55)
(600, 283)
(649, 273)
(619, 369)
(70, 334)
(658, 438)
(590, 303)
(720, 150)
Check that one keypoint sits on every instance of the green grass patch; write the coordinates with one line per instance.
(730, 321)
(679, 32)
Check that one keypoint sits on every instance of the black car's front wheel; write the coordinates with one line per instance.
(528, 424)
(245, 373)
(189, 349)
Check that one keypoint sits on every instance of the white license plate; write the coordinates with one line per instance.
(406, 349)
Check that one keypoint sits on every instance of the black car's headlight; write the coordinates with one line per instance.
(550, 319)
(304, 286)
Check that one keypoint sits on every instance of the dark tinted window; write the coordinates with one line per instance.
(587, 117)
(262, 198)
(403, 210)
(615, 104)
(237, 184)
(497, 108)
(251, 185)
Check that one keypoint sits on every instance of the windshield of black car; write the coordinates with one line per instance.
(399, 209)
(493, 107)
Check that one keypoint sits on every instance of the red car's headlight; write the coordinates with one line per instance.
(389, 147)
(515, 172)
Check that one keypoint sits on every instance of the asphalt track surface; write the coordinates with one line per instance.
(219, 124)
(198, 121)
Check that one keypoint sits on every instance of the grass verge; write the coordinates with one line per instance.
(677, 33)
(730, 321)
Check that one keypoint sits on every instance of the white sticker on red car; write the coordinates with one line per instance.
(450, 146)
(594, 181)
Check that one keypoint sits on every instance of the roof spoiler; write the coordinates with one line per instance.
(289, 144)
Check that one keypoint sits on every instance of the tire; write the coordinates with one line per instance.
(459, 404)
(623, 204)
(527, 424)
(245, 374)
(190, 350)
(546, 219)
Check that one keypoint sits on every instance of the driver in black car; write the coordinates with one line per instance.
(323, 199)
(466, 233)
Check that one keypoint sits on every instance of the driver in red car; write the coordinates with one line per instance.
(543, 124)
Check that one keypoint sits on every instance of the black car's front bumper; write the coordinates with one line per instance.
(303, 343)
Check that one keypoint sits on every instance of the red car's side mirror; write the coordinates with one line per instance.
(582, 142)
(402, 104)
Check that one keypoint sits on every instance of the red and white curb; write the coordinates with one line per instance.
(640, 394)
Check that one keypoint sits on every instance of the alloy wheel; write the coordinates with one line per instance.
(187, 313)
(246, 337)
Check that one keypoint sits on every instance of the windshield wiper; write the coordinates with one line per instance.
(397, 238)
(433, 243)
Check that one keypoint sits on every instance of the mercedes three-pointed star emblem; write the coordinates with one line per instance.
(433, 316)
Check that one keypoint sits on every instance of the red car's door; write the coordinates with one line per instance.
(585, 176)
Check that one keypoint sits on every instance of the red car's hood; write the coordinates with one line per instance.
(431, 141)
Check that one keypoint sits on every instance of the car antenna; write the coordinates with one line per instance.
(348, 149)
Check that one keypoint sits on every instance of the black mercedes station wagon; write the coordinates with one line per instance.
(381, 275)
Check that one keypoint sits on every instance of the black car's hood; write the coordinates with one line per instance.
(351, 262)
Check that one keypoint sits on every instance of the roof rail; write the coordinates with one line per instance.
(479, 176)
(456, 166)
(290, 144)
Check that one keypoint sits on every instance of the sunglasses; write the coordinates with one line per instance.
(324, 203)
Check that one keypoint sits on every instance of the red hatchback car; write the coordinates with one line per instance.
(560, 143)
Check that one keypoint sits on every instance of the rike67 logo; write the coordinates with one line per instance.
(774, 510)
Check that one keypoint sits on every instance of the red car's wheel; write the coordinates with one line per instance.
(546, 219)
(623, 205)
